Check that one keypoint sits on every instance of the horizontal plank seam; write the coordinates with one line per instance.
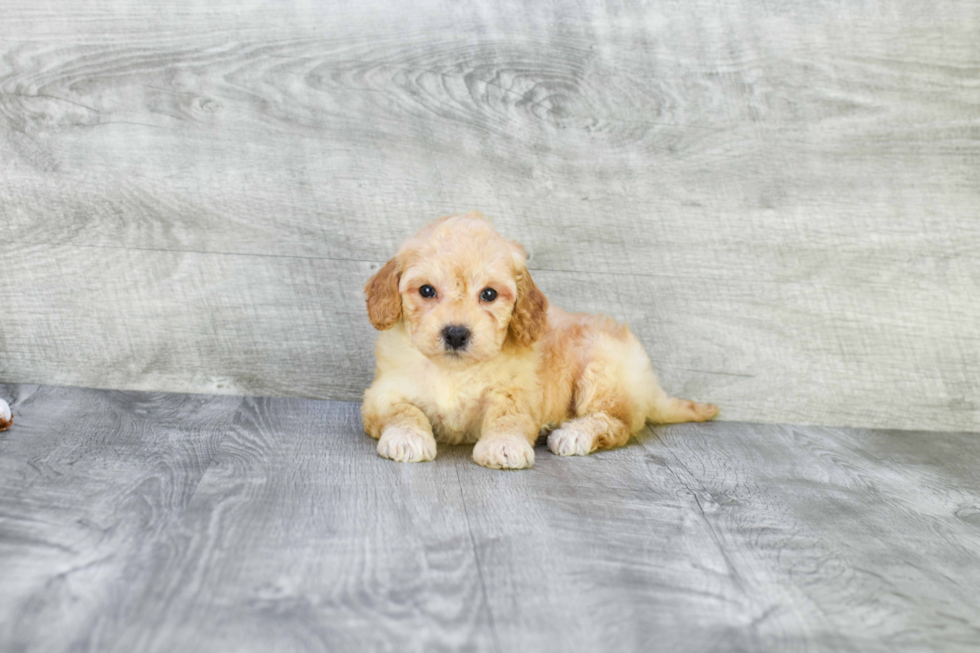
(379, 262)
(220, 253)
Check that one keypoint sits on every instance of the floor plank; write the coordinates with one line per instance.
(90, 483)
(155, 522)
(864, 536)
(299, 538)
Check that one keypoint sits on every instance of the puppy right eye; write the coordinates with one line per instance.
(427, 291)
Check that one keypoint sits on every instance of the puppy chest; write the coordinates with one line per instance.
(454, 412)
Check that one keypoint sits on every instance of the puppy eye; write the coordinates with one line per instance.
(488, 294)
(427, 291)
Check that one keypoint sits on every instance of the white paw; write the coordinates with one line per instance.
(570, 441)
(504, 453)
(406, 445)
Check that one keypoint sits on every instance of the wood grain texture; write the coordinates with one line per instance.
(90, 484)
(155, 522)
(782, 201)
(335, 552)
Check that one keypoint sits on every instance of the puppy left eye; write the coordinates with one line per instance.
(488, 294)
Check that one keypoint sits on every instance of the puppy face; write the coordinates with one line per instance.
(461, 290)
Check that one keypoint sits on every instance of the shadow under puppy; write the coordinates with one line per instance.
(470, 351)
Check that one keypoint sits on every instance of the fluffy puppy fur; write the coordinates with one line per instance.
(458, 364)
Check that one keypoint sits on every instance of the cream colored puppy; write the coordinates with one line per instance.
(470, 351)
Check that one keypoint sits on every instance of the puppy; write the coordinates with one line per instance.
(470, 351)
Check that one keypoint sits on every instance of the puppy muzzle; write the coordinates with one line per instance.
(455, 337)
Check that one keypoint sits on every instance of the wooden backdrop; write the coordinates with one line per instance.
(782, 198)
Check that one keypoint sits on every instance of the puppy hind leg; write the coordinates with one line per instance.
(583, 435)
(604, 413)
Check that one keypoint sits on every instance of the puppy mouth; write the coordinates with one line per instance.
(456, 356)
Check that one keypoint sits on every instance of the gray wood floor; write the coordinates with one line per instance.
(163, 522)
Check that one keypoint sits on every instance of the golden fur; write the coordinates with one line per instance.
(527, 367)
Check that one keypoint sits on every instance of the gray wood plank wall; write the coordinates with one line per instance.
(781, 198)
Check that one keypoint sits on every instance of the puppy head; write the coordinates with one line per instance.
(462, 291)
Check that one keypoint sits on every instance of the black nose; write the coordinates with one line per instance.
(455, 336)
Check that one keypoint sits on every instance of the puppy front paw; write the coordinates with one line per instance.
(406, 445)
(504, 453)
(571, 441)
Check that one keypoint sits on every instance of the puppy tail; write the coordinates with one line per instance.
(664, 409)
(658, 406)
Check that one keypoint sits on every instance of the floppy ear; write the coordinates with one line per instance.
(530, 316)
(384, 302)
